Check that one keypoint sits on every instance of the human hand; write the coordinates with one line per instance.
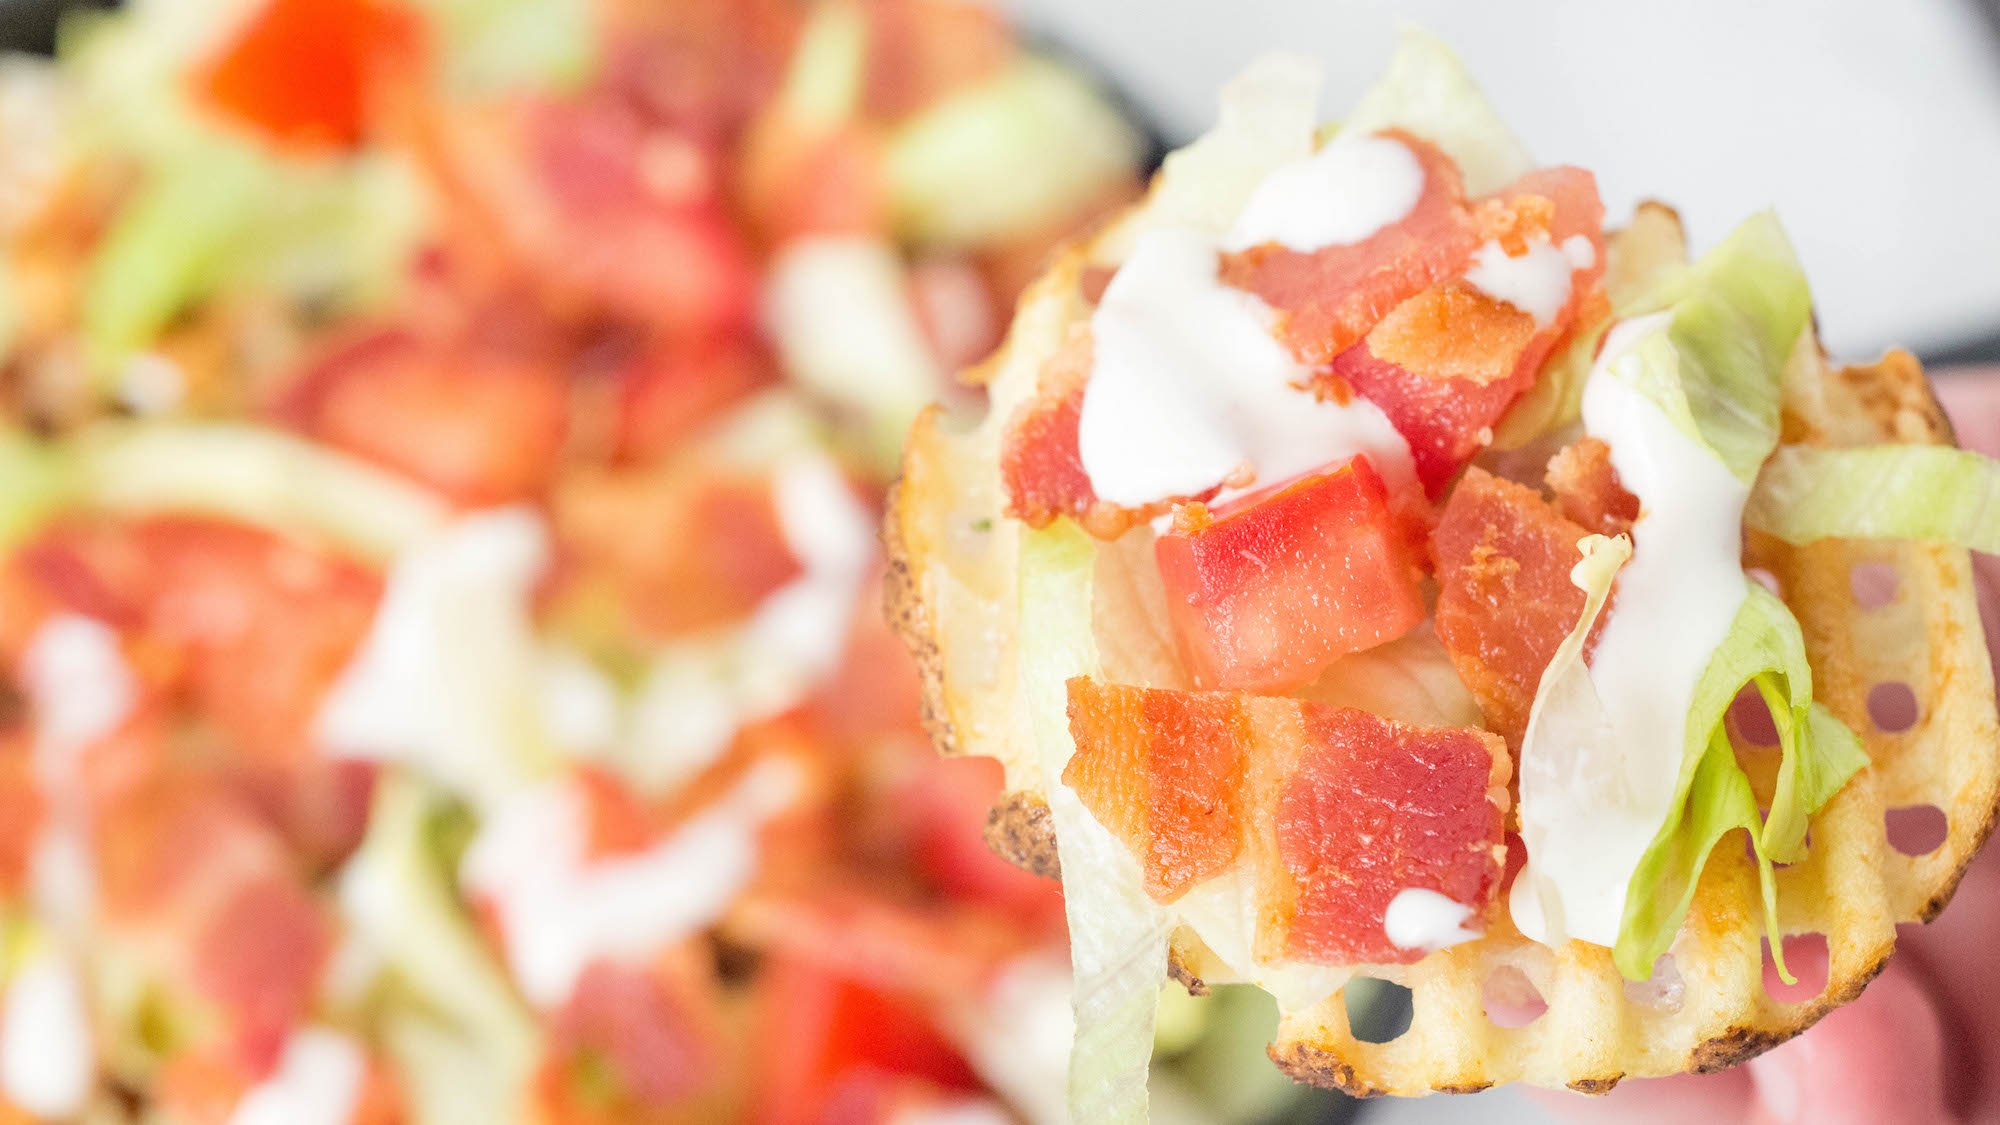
(1922, 1043)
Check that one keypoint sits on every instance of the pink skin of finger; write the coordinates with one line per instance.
(1923, 1042)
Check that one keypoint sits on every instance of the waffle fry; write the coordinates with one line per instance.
(951, 593)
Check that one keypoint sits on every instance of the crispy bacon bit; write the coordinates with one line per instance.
(1446, 364)
(1164, 771)
(630, 530)
(1334, 811)
(1454, 331)
(1505, 601)
(1587, 488)
(1328, 300)
(1373, 808)
(1514, 221)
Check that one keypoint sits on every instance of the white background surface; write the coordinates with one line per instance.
(1872, 125)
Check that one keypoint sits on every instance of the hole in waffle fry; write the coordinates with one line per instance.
(1750, 720)
(1917, 829)
(1378, 1011)
(1874, 584)
(1805, 956)
(1511, 999)
(1767, 580)
(1892, 706)
(1663, 991)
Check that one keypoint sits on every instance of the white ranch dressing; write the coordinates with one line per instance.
(1538, 281)
(47, 1064)
(1424, 919)
(1348, 190)
(1188, 385)
(81, 689)
(1590, 808)
(560, 911)
(318, 1082)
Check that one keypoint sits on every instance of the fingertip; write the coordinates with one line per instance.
(1880, 1058)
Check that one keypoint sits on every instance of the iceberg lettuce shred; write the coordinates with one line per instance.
(1118, 936)
(1933, 493)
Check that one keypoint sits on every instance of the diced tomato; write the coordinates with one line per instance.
(1332, 811)
(301, 71)
(259, 957)
(1505, 601)
(1587, 489)
(684, 546)
(1373, 808)
(668, 394)
(1446, 364)
(818, 1031)
(936, 953)
(480, 427)
(1328, 300)
(1164, 771)
(1276, 587)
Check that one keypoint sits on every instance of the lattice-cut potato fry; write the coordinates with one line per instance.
(952, 596)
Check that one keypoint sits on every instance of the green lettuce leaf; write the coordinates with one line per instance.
(464, 1043)
(1929, 492)
(1427, 91)
(1118, 936)
(256, 475)
(1733, 319)
(1026, 148)
(1764, 647)
(493, 46)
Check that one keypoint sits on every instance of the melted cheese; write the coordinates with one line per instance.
(1588, 818)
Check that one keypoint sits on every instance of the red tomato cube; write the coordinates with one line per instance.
(1276, 588)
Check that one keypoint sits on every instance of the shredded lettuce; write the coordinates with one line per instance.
(1763, 647)
(252, 474)
(1736, 316)
(1118, 936)
(1637, 261)
(39, 482)
(1026, 148)
(467, 1046)
(1427, 92)
(1929, 492)
(828, 70)
(491, 46)
(1268, 117)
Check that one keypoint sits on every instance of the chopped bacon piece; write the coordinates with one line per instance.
(257, 626)
(1164, 772)
(1277, 586)
(802, 184)
(1374, 808)
(1587, 488)
(481, 428)
(1328, 300)
(20, 812)
(668, 394)
(1333, 811)
(635, 531)
(1505, 601)
(1446, 364)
